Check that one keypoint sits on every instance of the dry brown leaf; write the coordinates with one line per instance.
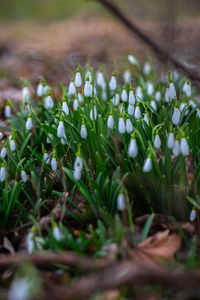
(161, 245)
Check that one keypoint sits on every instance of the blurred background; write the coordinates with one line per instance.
(47, 37)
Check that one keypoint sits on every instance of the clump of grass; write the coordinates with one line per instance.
(127, 143)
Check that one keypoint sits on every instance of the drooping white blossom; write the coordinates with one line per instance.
(110, 122)
(72, 88)
(127, 76)
(147, 165)
(137, 113)
(147, 68)
(176, 116)
(133, 148)
(23, 176)
(121, 201)
(88, 88)
(187, 88)
(124, 95)
(129, 126)
(131, 97)
(78, 79)
(157, 141)
(54, 164)
(48, 102)
(176, 148)
(121, 125)
(113, 83)
(93, 113)
(29, 123)
(7, 111)
(83, 131)
(170, 140)
(65, 108)
(2, 173)
(184, 147)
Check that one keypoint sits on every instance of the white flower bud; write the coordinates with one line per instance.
(184, 146)
(57, 233)
(1, 136)
(88, 75)
(130, 110)
(133, 148)
(121, 201)
(172, 91)
(167, 95)
(46, 158)
(121, 125)
(116, 99)
(48, 102)
(12, 145)
(193, 215)
(23, 176)
(2, 174)
(101, 80)
(150, 88)
(147, 165)
(127, 76)
(124, 95)
(54, 164)
(65, 108)
(77, 174)
(110, 122)
(137, 113)
(176, 116)
(187, 88)
(61, 130)
(158, 96)
(157, 141)
(93, 113)
(139, 93)
(131, 98)
(83, 131)
(3, 152)
(132, 60)
(80, 98)
(7, 111)
(129, 126)
(198, 113)
(29, 123)
(153, 105)
(147, 68)
(25, 93)
(30, 245)
(146, 119)
(88, 89)
(40, 90)
(20, 289)
(75, 104)
(170, 140)
(113, 83)
(78, 164)
(78, 80)
(72, 88)
(176, 149)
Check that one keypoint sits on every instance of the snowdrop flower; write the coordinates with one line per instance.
(2, 173)
(150, 88)
(129, 126)
(167, 95)
(23, 176)
(61, 130)
(176, 116)
(131, 97)
(158, 96)
(127, 76)
(77, 174)
(78, 165)
(54, 163)
(124, 95)
(46, 158)
(72, 88)
(83, 131)
(78, 79)
(184, 146)
(65, 108)
(176, 148)
(157, 141)
(101, 80)
(25, 93)
(170, 140)
(116, 99)
(20, 289)
(88, 88)
(133, 148)
(104, 95)
(130, 110)
(12, 144)
(187, 88)
(57, 233)
(182, 105)
(1, 136)
(172, 91)
(193, 215)
(7, 111)
(153, 105)
(110, 121)
(40, 90)
(198, 113)
(29, 123)
(88, 76)
(75, 104)
(48, 139)
(147, 165)
(139, 93)
(30, 245)
(121, 201)
(48, 102)
(137, 113)
(3, 152)
(93, 113)
(80, 98)
(121, 125)
(132, 60)
(113, 83)
(27, 108)
(147, 68)
(146, 118)
(192, 103)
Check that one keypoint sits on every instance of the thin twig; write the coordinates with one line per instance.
(161, 53)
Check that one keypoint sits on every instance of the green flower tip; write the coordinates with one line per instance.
(113, 73)
(133, 135)
(131, 88)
